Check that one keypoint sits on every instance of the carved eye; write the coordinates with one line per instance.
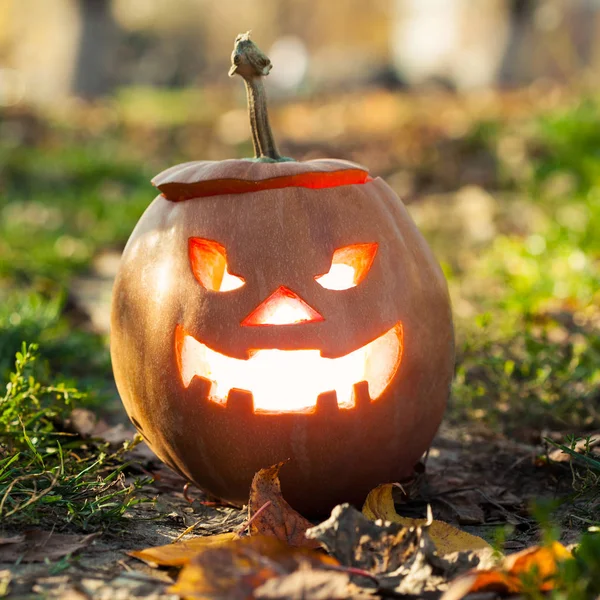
(349, 266)
(208, 260)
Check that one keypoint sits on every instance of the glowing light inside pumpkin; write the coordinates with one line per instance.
(282, 307)
(291, 380)
(287, 380)
(349, 266)
(209, 265)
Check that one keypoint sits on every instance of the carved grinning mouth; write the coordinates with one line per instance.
(292, 380)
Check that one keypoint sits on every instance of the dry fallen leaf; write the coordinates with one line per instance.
(180, 553)
(358, 542)
(581, 446)
(447, 539)
(37, 546)
(537, 564)
(271, 515)
(309, 583)
(401, 558)
(235, 569)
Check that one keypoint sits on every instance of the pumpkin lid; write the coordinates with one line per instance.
(268, 170)
(199, 179)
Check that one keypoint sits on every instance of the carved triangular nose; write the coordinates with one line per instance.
(282, 307)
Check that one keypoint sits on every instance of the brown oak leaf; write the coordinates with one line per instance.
(270, 514)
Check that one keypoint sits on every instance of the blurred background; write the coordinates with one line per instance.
(484, 117)
(92, 48)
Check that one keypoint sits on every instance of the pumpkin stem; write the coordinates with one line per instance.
(248, 61)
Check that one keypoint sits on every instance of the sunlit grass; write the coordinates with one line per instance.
(49, 474)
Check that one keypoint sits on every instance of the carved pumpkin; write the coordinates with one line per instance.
(274, 309)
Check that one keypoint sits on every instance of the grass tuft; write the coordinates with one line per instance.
(48, 474)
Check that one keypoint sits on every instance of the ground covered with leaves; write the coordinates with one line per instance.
(506, 188)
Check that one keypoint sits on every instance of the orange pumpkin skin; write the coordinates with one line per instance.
(283, 236)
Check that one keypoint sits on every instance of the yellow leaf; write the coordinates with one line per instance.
(180, 553)
(447, 538)
(380, 504)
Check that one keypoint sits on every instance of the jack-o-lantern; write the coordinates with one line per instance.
(270, 309)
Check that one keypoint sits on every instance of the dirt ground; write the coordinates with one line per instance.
(480, 485)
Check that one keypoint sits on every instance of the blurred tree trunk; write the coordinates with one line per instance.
(95, 70)
(517, 65)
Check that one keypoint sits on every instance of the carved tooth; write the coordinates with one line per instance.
(327, 403)
(362, 398)
(189, 350)
(241, 401)
(199, 387)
